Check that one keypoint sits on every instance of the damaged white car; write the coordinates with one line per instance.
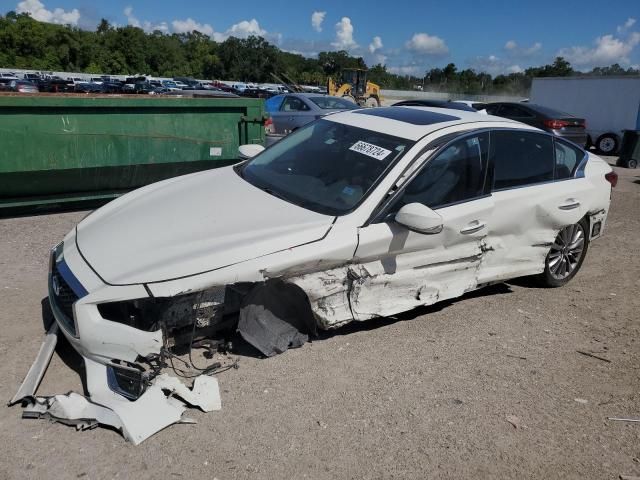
(358, 215)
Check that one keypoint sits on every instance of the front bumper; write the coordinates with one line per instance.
(105, 348)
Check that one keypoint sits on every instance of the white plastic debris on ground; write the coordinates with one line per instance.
(161, 405)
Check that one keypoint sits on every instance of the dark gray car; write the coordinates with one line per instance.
(293, 110)
(553, 121)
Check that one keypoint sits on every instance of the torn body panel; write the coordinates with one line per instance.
(137, 421)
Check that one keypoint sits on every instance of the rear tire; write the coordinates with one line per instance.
(372, 102)
(607, 144)
(566, 255)
(632, 163)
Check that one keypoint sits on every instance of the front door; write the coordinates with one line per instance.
(396, 269)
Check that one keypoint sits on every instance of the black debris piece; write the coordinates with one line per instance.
(276, 316)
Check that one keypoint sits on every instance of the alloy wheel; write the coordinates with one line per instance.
(566, 251)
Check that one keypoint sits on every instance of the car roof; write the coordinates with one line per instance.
(413, 123)
(540, 109)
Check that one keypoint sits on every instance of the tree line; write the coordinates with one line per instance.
(28, 44)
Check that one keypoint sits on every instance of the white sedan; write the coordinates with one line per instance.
(361, 214)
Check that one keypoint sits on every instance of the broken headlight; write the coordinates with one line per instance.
(128, 382)
(178, 317)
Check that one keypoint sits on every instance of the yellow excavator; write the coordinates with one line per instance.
(355, 86)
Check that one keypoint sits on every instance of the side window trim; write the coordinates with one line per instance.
(582, 163)
(284, 101)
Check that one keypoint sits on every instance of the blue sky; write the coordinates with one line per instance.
(408, 36)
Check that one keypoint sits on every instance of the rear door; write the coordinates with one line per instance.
(537, 190)
(396, 269)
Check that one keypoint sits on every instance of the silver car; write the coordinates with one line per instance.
(293, 110)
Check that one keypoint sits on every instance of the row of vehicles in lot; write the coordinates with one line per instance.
(291, 111)
(33, 83)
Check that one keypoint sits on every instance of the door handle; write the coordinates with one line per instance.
(570, 204)
(473, 227)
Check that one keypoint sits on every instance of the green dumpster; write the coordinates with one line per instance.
(64, 149)
(630, 149)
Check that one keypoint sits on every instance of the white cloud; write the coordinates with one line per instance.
(512, 47)
(494, 65)
(425, 44)
(36, 9)
(146, 25)
(344, 35)
(376, 44)
(189, 25)
(247, 28)
(606, 51)
(626, 25)
(242, 29)
(316, 20)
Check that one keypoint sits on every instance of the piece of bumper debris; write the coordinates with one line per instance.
(39, 367)
(275, 317)
(159, 407)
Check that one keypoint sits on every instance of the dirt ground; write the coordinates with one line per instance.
(427, 395)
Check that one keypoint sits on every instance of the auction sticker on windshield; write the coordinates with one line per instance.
(370, 150)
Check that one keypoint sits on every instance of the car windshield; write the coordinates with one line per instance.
(333, 103)
(326, 166)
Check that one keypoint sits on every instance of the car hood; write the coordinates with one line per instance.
(191, 224)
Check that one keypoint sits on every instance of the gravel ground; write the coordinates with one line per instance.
(433, 394)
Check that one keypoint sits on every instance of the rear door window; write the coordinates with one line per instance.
(568, 159)
(521, 158)
(294, 104)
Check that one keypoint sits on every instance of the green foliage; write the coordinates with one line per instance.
(28, 44)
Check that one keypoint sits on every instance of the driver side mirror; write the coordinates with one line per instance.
(249, 151)
(419, 218)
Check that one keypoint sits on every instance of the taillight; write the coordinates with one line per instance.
(612, 178)
(269, 127)
(555, 124)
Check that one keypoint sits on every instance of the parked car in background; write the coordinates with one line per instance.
(23, 86)
(88, 87)
(558, 123)
(31, 77)
(293, 110)
(256, 93)
(55, 85)
(171, 85)
(609, 104)
(435, 104)
(477, 106)
(112, 87)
